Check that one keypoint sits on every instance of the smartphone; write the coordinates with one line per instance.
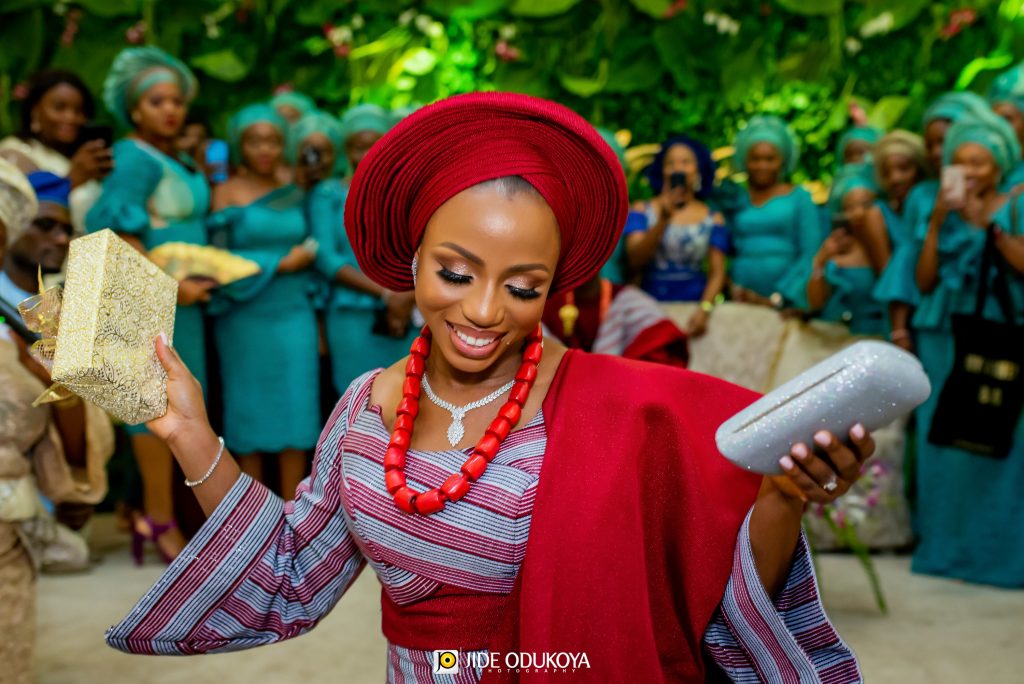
(677, 180)
(840, 222)
(311, 157)
(90, 132)
(216, 160)
(954, 185)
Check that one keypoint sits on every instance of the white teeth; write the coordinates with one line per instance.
(472, 341)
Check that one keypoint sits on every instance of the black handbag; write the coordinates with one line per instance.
(980, 404)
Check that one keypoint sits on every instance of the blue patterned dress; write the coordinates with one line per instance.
(678, 271)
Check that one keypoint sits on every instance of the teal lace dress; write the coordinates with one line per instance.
(265, 330)
(158, 199)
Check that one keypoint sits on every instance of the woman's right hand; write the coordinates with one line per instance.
(298, 259)
(93, 161)
(186, 408)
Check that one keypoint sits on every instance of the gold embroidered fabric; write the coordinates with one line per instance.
(114, 304)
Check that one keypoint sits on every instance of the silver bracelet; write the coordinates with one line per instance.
(213, 466)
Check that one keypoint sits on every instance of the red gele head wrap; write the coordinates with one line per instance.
(462, 141)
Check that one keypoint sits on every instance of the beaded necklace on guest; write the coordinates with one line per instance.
(456, 486)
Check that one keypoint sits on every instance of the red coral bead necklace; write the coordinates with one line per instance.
(456, 486)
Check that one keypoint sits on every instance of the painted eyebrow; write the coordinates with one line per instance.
(469, 256)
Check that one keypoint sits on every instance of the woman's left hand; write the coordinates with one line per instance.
(826, 472)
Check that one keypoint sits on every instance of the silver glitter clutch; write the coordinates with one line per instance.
(869, 382)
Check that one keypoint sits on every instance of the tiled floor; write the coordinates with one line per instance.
(937, 631)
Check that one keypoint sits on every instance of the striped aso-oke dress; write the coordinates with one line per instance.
(262, 570)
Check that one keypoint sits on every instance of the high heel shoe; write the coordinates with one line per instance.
(143, 530)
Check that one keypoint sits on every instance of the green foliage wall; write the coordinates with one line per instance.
(650, 66)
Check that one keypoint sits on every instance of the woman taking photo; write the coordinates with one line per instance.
(53, 113)
(676, 240)
(265, 325)
(844, 269)
(153, 197)
(897, 287)
(968, 510)
(366, 326)
(778, 227)
(467, 474)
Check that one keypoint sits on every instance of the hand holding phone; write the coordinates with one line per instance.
(93, 159)
(954, 186)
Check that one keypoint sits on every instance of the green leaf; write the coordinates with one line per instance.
(110, 8)
(676, 54)
(655, 8)
(586, 86)
(813, 7)
(902, 11)
(541, 8)
(980, 64)
(468, 10)
(317, 45)
(634, 66)
(744, 73)
(315, 12)
(888, 110)
(25, 29)
(419, 61)
(224, 65)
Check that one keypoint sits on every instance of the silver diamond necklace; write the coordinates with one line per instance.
(456, 430)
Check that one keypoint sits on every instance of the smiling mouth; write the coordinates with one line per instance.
(477, 345)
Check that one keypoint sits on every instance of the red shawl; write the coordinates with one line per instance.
(634, 524)
(633, 531)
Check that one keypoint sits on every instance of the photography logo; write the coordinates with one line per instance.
(446, 662)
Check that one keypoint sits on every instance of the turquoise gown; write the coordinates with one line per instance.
(970, 509)
(158, 199)
(348, 315)
(771, 239)
(266, 331)
(898, 281)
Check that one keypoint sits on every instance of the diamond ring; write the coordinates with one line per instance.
(830, 486)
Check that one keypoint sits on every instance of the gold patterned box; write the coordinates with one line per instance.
(115, 303)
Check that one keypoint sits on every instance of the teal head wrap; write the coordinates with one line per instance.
(314, 122)
(868, 134)
(850, 177)
(246, 117)
(902, 142)
(990, 131)
(136, 70)
(303, 103)
(609, 137)
(771, 130)
(365, 117)
(953, 106)
(1009, 87)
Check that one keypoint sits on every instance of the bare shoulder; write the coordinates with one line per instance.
(387, 389)
(226, 194)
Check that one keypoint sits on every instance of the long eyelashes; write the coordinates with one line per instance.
(460, 279)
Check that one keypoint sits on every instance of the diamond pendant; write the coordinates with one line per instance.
(456, 430)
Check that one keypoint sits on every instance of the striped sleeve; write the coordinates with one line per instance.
(755, 639)
(259, 570)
